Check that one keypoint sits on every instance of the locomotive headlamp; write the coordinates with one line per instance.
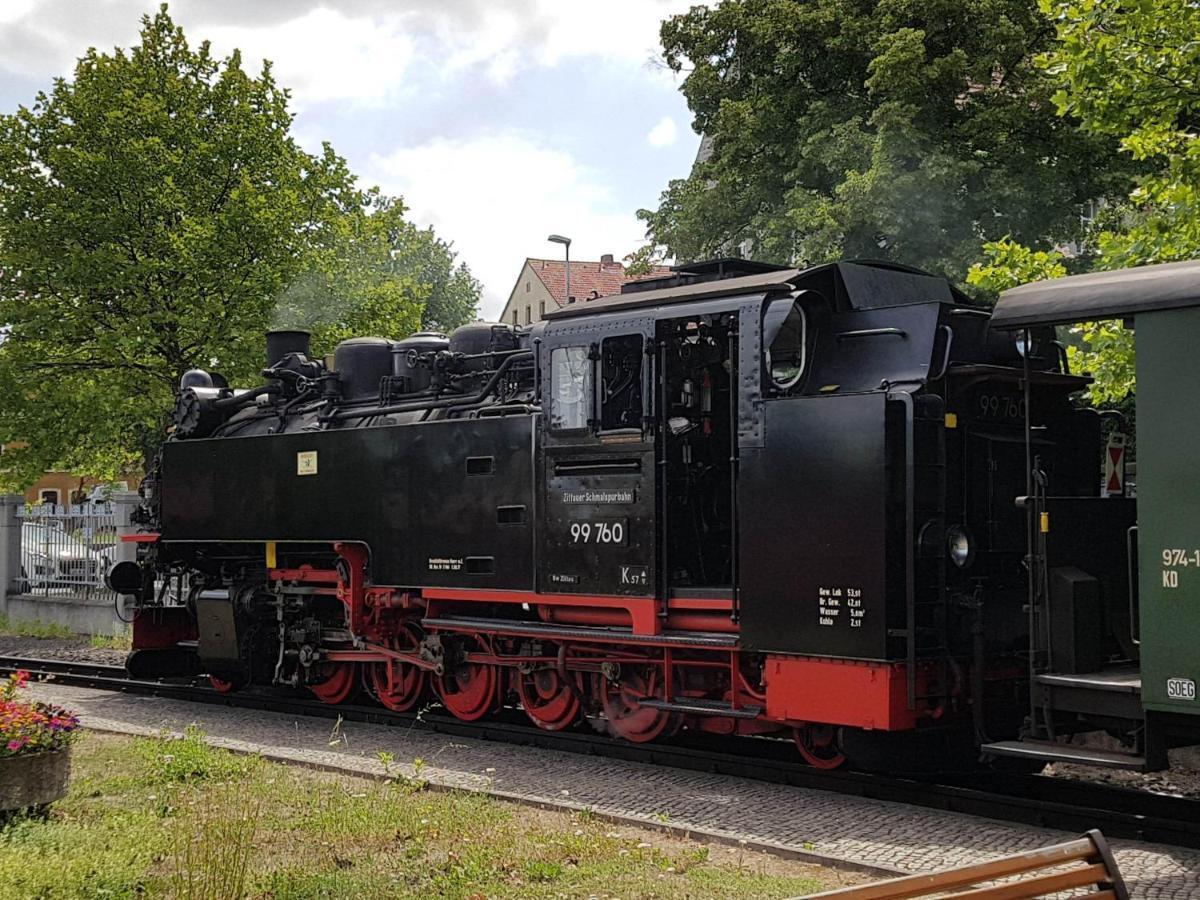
(960, 545)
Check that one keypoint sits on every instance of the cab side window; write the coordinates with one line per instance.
(786, 337)
(571, 388)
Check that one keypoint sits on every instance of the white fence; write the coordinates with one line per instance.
(67, 550)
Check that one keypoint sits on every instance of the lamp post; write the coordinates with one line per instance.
(566, 242)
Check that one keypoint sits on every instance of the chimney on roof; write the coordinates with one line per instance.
(606, 259)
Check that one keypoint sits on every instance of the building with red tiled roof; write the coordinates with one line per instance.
(542, 286)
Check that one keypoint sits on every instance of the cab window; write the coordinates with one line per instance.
(786, 335)
(621, 382)
(571, 388)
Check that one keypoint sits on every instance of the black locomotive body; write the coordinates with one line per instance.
(740, 499)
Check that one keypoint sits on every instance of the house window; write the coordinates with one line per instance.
(541, 309)
(516, 317)
(528, 314)
(49, 496)
(527, 287)
(571, 397)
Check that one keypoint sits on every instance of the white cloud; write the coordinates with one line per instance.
(664, 133)
(12, 10)
(498, 197)
(325, 55)
(335, 49)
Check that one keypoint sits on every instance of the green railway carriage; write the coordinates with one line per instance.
(1149, 699)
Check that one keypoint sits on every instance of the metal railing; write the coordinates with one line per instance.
(66, 551)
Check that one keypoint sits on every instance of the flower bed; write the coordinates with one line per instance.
(34, 748)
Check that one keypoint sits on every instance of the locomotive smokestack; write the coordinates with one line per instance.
(282, 341)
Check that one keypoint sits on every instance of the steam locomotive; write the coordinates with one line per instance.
(738, 499)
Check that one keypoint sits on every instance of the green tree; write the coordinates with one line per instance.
(156, 214)
(897, 129)
(453, 291)
(1127, 70)
(364, 273)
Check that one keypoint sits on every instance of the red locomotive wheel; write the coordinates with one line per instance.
(338, 684)
(399, 686)
(621, 702)
(468, 691)
(221, 685)
(548, 700)
(818, 745)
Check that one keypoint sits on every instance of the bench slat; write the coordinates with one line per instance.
(948, 879)
(1093, 875)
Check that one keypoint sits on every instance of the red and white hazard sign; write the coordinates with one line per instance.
(1114, 466)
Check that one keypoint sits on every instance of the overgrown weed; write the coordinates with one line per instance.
(34, 628)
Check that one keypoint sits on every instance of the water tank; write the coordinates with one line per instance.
(482, 337)
(362, 364)
(404, 359)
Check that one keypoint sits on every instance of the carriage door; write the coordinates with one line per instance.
(598, 534)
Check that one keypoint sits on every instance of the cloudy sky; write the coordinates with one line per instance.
(499, 121)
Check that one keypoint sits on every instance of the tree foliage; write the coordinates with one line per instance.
(155, 215)
(1009, 264)
(897, 129)
(1128, 70)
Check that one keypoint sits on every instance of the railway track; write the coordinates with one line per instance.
(1028, 799)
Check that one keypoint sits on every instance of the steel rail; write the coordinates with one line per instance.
(1059, 803)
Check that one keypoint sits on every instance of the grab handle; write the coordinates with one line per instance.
(1130, 556)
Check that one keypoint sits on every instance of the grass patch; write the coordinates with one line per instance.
(33, 628)
(177, 818)
(122, 640)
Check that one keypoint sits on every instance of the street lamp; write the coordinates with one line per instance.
(566, 242)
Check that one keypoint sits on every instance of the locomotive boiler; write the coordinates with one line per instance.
(739, 499)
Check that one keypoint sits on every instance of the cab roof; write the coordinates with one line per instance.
(857, 284)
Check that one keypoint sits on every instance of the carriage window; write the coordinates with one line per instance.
(571, 399)
(621, 382)
(786, 348)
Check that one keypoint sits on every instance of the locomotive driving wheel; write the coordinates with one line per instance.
(818, 744)
(336, 681)
(468, 689)
(398, 685)
(621, 700)
(550, 701)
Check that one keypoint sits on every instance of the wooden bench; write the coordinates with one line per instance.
(1085, 862)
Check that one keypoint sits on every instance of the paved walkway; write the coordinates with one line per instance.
(798, 821)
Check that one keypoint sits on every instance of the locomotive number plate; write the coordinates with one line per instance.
(600, 531)
(1001, 406)
(1181, 689)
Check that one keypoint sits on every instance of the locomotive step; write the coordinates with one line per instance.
(700, 707)
(1053, 752)
(1120, 681)
(579, 632)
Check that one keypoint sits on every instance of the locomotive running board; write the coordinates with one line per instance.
(567, 632)
(1070, 753)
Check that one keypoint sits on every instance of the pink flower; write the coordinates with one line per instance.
(15, 745)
